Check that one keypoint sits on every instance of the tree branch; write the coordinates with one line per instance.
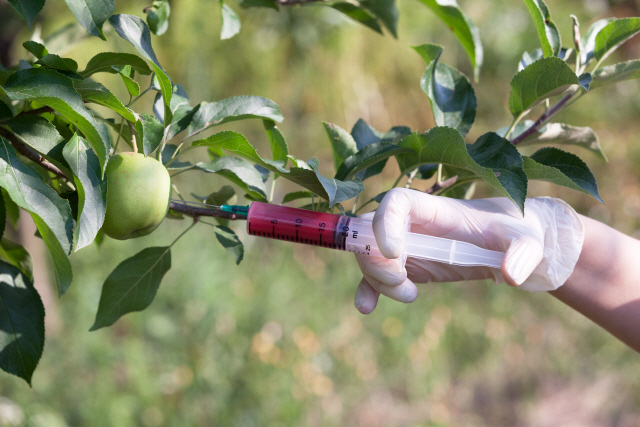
(442, 185)
(31, 154)
(197, 212)
(37, 111)
(542, 119)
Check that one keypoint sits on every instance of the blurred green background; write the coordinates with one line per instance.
(276, 341)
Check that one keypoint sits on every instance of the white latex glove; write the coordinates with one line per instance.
(542, 248)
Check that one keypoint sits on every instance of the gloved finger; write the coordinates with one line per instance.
(389, 222)
(405, 292)
(391, 272)
(366, 298)
(368, 216)
(522, 257)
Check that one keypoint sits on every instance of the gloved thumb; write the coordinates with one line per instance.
(523, 256)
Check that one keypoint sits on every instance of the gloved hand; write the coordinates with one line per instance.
(542, 248)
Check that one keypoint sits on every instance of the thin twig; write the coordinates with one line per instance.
(442, 185)
(197, 212)
(134, 145)
(30, 153)
(542, 119)
(40, 110)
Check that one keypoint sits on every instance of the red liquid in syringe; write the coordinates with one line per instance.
(311, 228)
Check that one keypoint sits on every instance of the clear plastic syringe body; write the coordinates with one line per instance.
(356, 235)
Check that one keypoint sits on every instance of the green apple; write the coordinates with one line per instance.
(138, 195)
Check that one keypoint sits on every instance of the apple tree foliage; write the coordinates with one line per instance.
(54, 146)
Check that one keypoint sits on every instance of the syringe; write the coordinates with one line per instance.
(355, 235)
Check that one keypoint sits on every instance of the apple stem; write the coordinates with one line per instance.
(134, 145)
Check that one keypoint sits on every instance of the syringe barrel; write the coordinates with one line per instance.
(313, 228)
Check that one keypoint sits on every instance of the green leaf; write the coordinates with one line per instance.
(585, 80)
(304, 174)
(21, 323)
(445, 145)
(95, 92)
(358, 14)
(230, 241)
(135, 31)
(167, 152)
(364, 135)
(92, 14)
(127, 73)
(463, 28)
(16, 255)
(616, 73)
(342, 143)
(533, 56)
(498, 154)
(92, 190)
(452, 98)
(230, 22)
(545, 27)
(105, 61)
(132, 285)
(38, 50)
(561, 168)
(589, 40)
(543, 79)
(385, 11)
(5, 112)
(57, 63)
(51, 214)
(151, 130)
(332, 190)
(612, 35)
(39, 134)
(13, 211)
(279, 149)
(158, 16)
(181, 109)
(240, 172)
(232, 109)
(224, 196)
(564, 134)
(296, 195)
(28, 9)
(368, 156)
(55, 90)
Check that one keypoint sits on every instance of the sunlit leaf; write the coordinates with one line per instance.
(18, 256)
(105, 61)
(452, 98)
(92, 14)
(158, 16)
(545, 27)
(232, 109)
(51, 214)
(543, 79)
(55, 90)
(135, 31)
(230, 22)
(92, 190)
(561, 168)
(612, 35)
(95, 92)
(447, 146)
(620, 72)
(463, 28)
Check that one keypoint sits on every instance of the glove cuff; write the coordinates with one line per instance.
(563, 239)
